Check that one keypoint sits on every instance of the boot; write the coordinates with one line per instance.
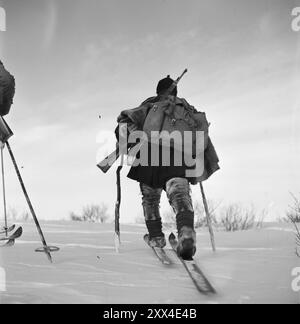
(156, 235)
(186, 248)
(159, 241)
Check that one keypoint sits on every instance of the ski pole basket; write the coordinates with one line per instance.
(47, 249)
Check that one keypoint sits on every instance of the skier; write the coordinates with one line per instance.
(153, 179)
(7, 90)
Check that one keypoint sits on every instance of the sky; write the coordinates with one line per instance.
(76, 60)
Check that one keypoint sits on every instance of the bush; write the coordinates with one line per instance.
(297, 240)
(200, 215)
(293, 215)
(15, 216)
(75, 218)
(231, 218)
(92, 213)
(261, 218)
(235, 218)
(297, 237)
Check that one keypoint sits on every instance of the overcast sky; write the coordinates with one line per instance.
(75, 60)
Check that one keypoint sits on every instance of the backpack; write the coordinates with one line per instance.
(169, 116)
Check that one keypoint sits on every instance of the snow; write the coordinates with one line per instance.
(249, 267)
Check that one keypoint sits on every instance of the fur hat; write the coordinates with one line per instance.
(164, 85)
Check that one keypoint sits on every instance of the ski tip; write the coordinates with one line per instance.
(13, 236)
(146, 238)
(9, 243)
(7, 229)
(18, 232)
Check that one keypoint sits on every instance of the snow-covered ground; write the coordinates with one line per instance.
(249, 267)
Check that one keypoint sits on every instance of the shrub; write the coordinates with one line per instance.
(235, 218)
(200, 215)
(261, 218)
(92, 213)
(15, 216)
(231, 218)
(75, 218)
(293, 215)
(297, 240)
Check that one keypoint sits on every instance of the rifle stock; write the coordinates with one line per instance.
(107, 163)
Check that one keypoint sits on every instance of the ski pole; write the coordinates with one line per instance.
(4, 194)
(117, 207)
(45, 247)
(208, 218)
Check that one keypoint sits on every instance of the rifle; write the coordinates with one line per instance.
(106, 163)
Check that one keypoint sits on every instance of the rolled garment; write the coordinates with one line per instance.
(7, 90)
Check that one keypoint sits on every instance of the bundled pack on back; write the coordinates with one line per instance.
(7, 90)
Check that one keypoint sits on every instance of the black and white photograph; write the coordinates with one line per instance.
(150, 155)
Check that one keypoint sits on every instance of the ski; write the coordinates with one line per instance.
(8, 230)
(9, 243)
(11, 239)
(195, 273)
(159, 252)
(13, 236)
